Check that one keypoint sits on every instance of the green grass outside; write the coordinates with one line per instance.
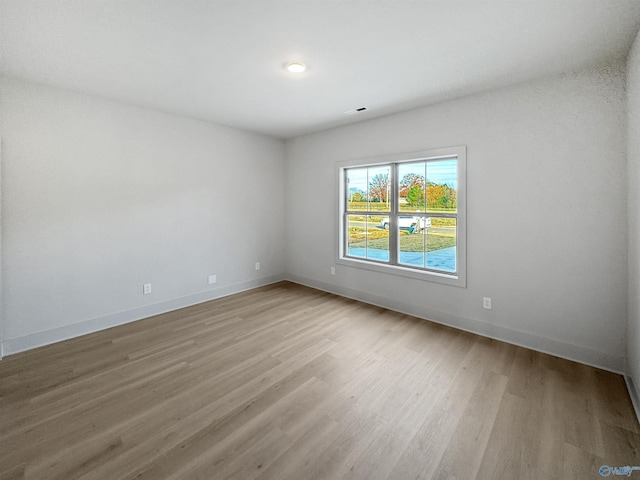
(384, 207)
(374, 220)
(371, 207)
(408, 242)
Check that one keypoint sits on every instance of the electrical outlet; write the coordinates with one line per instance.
(333, 270)
(146, 289)
(212, 279)
(257, 265)
(486, 303)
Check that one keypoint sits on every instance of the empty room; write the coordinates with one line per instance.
(303, 240)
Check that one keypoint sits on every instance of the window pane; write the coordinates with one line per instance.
(442, 185)
(411, 244)
(441, 244)
(377, 238)
(357, 240)
(429, 244)
(411, 187)
(379, 192)
(357, 189)
(367, 237)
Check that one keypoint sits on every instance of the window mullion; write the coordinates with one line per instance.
(393, 216)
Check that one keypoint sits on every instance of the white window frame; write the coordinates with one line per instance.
(459, 278)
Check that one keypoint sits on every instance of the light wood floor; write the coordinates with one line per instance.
(286, 382)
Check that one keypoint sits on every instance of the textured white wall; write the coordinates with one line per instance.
(102, 197)
(1, 274)
(633, 109)
(547, 215)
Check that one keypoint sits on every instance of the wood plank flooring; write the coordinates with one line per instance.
(287, 382)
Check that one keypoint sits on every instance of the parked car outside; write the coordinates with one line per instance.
(409, 222)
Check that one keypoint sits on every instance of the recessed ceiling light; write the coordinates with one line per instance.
(296, 67)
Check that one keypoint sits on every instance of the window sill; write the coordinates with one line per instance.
(443, 278)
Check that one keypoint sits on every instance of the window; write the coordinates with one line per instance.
(405, 215)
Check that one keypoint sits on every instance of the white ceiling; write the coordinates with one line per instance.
(222, 61)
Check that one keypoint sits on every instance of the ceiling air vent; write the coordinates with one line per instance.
(356, 110)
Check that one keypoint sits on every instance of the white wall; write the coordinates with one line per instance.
(633, 109)
(1, 294)
(547, 193)
(100, 198)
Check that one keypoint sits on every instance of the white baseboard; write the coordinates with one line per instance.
(634, 394)
(603, 360)
(19, 344)
(576, 353)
